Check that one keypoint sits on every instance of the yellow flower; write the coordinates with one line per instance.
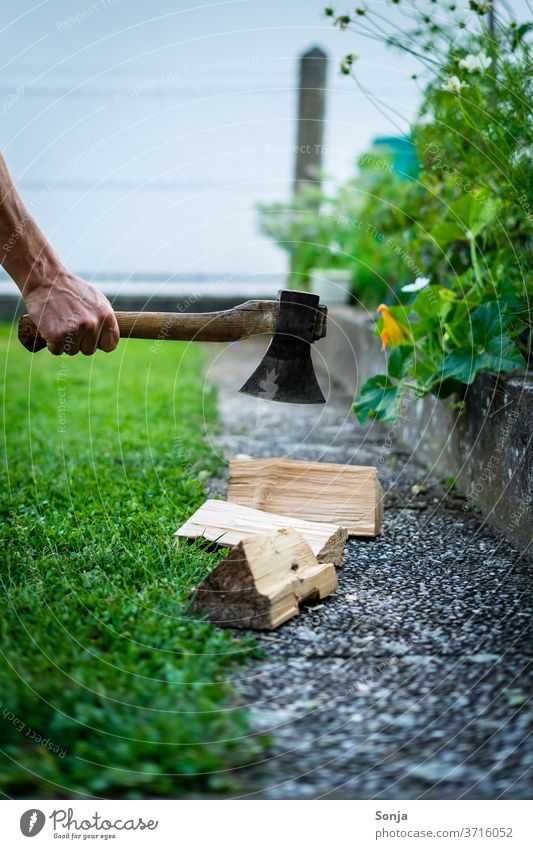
(392, 333)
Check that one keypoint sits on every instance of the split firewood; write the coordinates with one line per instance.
(350, 496)
(263, 580)
(228, 524)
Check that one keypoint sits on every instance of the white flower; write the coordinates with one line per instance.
(454, 84)
(420, 283)
(475, 63)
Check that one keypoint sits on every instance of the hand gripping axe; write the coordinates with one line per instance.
(285, 373)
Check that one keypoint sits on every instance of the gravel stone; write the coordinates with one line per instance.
(411, 681)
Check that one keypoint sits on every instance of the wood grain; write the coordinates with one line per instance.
(240, 322)
(350, 496)
(228, 524)
(248, 319)
(263, 580)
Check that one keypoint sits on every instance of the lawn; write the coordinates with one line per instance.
(108, 686)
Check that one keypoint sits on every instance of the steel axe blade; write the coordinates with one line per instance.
(286, 372)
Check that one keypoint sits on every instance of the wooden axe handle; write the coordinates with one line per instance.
(244, 320)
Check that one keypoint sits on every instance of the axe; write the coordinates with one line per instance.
(286, 371)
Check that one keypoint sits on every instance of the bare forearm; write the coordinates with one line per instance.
(70, 313)
(25, 252)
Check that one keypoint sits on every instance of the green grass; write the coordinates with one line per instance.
(101, 461)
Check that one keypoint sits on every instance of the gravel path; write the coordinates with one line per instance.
(410, 681)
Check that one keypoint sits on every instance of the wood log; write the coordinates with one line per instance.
(263, 580)
(228, 524)
(350, 496)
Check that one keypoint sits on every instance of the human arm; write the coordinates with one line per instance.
(70, 313)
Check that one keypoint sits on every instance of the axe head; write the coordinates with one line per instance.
(286, 371)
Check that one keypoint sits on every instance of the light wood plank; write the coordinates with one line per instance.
(263, 580)
(227, 523)
(334, 493)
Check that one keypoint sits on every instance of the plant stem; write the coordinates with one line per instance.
(475, 263)
(412, 386)
(451, 334)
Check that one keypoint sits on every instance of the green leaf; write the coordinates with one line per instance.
(507, 292)
(501, 354)
(465, 217)
(460, 322)
(423, 371)
(460, 364)
(429, 302)
(400, 361)
(482, 213)
(447, 232)
(464, 363)
(460, 210)
(474, 212)
(378, 399)
(488, 321)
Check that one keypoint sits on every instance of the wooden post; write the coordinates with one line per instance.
(492, 20)
(311, 103)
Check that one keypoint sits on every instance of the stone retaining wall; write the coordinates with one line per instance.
(487, 447)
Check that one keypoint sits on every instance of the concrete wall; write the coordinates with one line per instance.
(487, 446)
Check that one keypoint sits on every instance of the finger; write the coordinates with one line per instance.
(89, 345)
(72, 345)
(108, 340)
(55, 348)
(110, 334)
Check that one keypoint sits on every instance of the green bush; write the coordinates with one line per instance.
(360, 227)
(447, 248)
(471, 210)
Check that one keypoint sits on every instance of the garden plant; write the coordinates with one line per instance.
(444, 250)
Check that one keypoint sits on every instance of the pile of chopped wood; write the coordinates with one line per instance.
(287, 522)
